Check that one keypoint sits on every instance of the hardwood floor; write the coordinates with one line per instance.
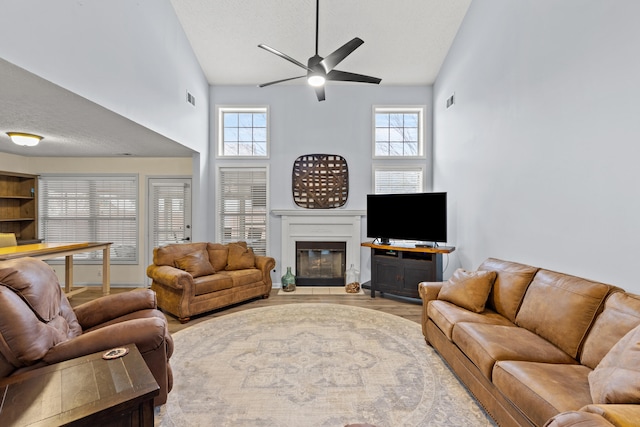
(408, 308)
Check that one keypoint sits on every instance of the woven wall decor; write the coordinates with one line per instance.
(320, 181)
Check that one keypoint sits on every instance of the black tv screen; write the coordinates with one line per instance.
(415, 216)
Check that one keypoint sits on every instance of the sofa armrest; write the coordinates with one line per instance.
(428, 292)
(147, 334)
(617, 414)
(170, 277)
(110, 307)
(265, 264)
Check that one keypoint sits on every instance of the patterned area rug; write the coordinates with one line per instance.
(312, 365)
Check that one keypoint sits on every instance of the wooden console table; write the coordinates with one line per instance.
(86, 391)
(398, 269)
(54, 250)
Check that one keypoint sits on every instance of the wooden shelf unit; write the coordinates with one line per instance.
(19, 206)
(398, 269)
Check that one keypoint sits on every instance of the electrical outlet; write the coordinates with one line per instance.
(99, 273)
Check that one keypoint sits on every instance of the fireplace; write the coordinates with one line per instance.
(320, 263)
(320, 226)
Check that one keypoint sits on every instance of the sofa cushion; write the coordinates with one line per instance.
(542, 390)
(240, 257)
(212, 283)
(218, 255)
(616, 379)
(468, 289)
(577, 419)
(486, 344)
(196, 263)
(618, 415)
(166, 255)
(445, 315)
(561, 308)
(509, 287)
(243, 277)
(621, 314)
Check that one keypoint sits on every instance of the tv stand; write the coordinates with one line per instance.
(398, 269)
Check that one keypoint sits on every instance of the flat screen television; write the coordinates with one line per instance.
(416, 216)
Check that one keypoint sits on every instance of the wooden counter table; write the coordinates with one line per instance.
(55, 250)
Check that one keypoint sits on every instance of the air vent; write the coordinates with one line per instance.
(451, 100)
(191, 99)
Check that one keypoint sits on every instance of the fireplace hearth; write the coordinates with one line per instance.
(320, 263)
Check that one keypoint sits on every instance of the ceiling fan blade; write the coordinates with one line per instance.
(284, 56)
(280, 81)
(337, 56)
(320, 92)
(343, 76)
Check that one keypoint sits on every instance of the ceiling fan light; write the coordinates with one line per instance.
(24, 139)
(316, 80)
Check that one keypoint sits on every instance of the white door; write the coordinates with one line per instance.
(169, 213)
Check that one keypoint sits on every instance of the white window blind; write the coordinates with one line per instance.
(242, 207)
(91, 209)
(401, 180)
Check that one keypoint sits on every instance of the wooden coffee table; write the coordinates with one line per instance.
(87, 391)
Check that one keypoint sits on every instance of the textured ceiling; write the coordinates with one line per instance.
(406, 42)
(73, 126)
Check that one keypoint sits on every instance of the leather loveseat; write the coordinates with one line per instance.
(194, 278)
(38, 326)
(536, 346)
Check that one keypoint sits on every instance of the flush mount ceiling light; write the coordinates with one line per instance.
(24, 139)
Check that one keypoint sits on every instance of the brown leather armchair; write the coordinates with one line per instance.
(38, 326)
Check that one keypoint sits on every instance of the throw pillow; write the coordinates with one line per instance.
(616, 378)
(240, 257)
(196, 263)
(468, 289)
(218, 255)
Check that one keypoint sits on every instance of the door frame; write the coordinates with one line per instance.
(148, 253)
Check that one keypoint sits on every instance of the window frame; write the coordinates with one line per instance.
(399, 109)
(96, 256)
(399, 168)
(220, 110)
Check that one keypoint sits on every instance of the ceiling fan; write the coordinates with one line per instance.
(319, 69)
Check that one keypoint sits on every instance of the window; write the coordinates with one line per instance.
(91, 209)
(243, 132)
(242, 207)
(398, 132)
(389, 180)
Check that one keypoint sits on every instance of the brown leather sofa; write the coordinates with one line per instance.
(536, 346)
(38, 326)
(194, 278)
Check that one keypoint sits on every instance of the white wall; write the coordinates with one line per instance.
(299, 124)
(540, 152)
(130, 57)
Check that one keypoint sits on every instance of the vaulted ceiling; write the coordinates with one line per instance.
(405, 44)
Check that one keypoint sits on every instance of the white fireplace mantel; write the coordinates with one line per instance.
(320, 225)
